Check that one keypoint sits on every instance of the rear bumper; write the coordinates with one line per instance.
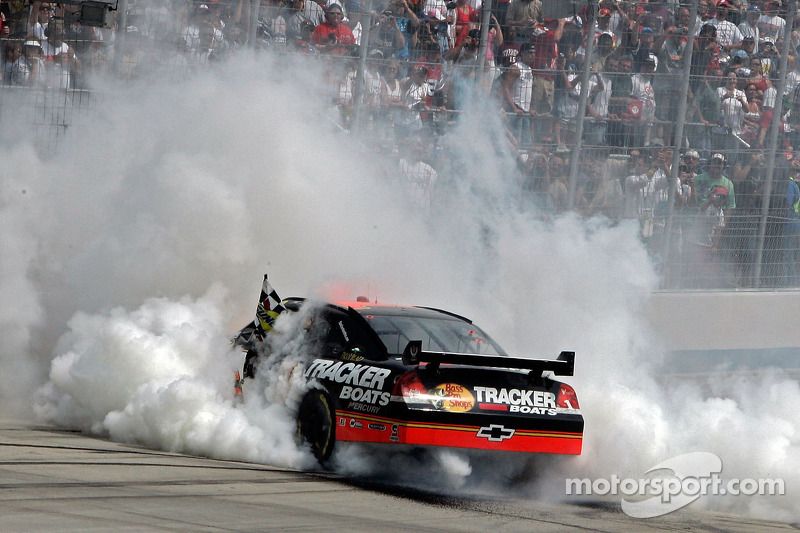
(497, 434)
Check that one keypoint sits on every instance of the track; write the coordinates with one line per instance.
(64, 481)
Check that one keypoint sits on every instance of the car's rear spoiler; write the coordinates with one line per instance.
(564, 365)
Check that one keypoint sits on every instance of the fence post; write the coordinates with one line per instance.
(773, 142)
(486, 18)
(361, 82)
(119, 38)
(584, 98)
(678, 138)
(252, 27)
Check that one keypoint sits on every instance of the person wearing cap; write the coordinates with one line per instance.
(515, 90)
(749, 27)
(385, 36)
(728, 34)
(333, 35)
(642, 90)
(713, 177)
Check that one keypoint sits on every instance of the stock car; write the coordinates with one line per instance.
(425, 377)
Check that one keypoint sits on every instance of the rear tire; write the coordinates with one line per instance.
(315, 423)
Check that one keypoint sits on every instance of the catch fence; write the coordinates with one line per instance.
(631, 120)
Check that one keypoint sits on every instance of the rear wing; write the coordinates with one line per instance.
(564, 365)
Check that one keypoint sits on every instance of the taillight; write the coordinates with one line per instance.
(567, 399)
(411, 388)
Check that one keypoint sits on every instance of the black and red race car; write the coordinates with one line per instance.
(426, 377)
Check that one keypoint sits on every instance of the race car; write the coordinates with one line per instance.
(420, 376)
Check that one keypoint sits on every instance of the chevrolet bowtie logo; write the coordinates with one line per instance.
(495, 433)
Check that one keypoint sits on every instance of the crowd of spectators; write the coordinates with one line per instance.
(426, 65)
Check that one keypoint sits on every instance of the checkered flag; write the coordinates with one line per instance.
(269, 307)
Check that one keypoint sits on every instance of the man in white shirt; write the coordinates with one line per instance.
(749, 26)
(728, 35)
(770, 24)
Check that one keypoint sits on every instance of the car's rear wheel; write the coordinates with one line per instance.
(315, 423)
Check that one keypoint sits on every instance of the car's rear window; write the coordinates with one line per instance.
(437, 334)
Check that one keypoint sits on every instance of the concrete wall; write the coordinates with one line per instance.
(727, 320)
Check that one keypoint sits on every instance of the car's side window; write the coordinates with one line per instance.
(358, 345)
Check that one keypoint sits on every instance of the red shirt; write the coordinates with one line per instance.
(546, 53)
(342, 33)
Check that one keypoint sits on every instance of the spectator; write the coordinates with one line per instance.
(558, 190)
(747, 177)
(634, 187)
(408, 23)
(792, 78)
(770, 25)
(440, 20)
(567, 96)
(648, 193)
(600, 90)
(645, 49)
(299, 26)
(203, 34)
(42, 14)
(666, 81)
(728, 34)
(733, 104)
(712, 178)
(465, 16)
(619, 129)
(15, 71)
(333, 36)
(545, 43)
(314, 12)
(769, 58)
(387, 36)
(752, 115)
(642, 91)
(392, 95)
(749, 27)
(60, 60)
(516, 88)
(703, 53)
(521, 18)
(416, 97)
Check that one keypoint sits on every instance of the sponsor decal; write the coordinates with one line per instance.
(495, 433)
(356, 424)
(344, 331)
(342, 421)
(395, 436)
(377, 427)
(363, 407)
(357, 394)
(452, 397)
(535, 402)
(365, 376)
(351, 356)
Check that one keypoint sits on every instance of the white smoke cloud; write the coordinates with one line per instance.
(139, 247)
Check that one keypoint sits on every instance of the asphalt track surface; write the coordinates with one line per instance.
(56, 480)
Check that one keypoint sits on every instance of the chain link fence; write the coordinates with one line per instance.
(682, 118)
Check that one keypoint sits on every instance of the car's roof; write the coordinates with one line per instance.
(402, 310)
(367, 308)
